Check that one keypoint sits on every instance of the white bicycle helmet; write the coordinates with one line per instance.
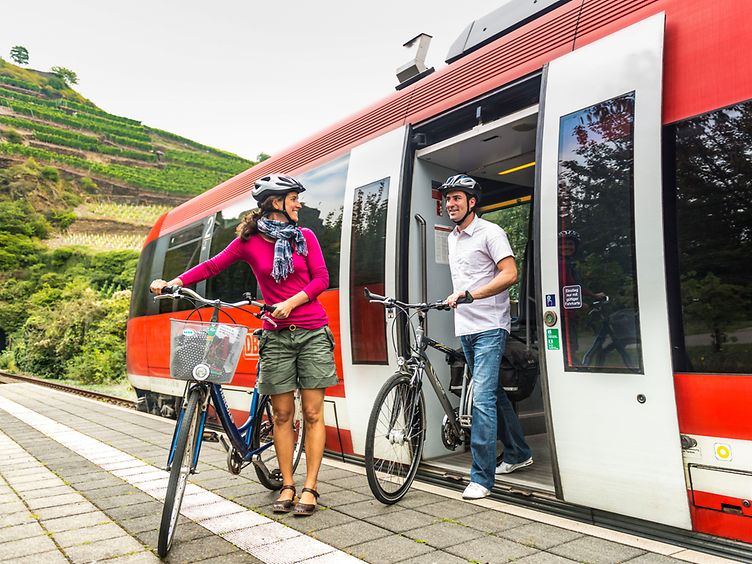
(275, 185)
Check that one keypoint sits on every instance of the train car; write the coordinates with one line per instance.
(612, 140)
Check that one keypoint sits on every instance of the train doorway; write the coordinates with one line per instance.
(500, 155)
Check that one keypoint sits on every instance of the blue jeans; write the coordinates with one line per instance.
(483, 352)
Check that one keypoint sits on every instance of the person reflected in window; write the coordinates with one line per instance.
(482, 265)
(297, 352)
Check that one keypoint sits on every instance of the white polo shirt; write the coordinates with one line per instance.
(473, 256)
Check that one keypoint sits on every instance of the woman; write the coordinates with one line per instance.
(298, 353)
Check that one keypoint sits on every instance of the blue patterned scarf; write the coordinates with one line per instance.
(284, 233)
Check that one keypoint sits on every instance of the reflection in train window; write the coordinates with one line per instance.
(714, 237)
(322, 209)
(596, 253)
(183, 254)
(367, 261)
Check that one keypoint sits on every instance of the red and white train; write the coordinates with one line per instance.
(612, 140)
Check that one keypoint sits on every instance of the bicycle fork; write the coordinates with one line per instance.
(199, 434)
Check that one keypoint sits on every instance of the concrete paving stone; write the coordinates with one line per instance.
(355, 504)
(323, 518)
(436, 557)
(327, 473)
(75, 478)
(88, 534)
(539, 535)
(18, 532)
(401, 521)
(139, 510)
(206, 472)
(72, 522)
(55, 501)
(349, 482)
(490, 549)
(653, 558)
(103, 549)
(388, 550)
(235, 558)
(18, 477)
(230, 492)
(417, 498)
(64, 510)
(596, 551)
(219, 482)
(131, 498)
(449, 509)
(349, 534)
(121, 489)
(50, 557)
(144, 557)
(492, 521)
(47, 492)
(141, 524)
(199, 549)
(443, 534)
(17, 518)
(32, 486)
(24, 547)
(185, 532)
(13, 506)
(543, 558)
(104, 481)
(262, 499)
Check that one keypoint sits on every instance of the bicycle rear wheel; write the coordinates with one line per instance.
(394, 438)
(179, 471)
(267, 467)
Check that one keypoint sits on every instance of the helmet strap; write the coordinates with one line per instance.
(469, 210)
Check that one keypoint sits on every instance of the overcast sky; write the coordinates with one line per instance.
(244, 76)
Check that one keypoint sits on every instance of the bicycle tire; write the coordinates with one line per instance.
(269, 474)
(179, 471)
(394, 438)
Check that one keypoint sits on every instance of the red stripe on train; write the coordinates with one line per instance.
(714, 405)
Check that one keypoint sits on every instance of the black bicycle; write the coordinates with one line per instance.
(205, 355)
(615, 332)
(397, 425)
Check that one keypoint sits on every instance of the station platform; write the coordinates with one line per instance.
(81, 481)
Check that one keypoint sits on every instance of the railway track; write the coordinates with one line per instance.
(8, 378)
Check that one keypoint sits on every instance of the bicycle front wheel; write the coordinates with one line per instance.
(266, 465)
(179, 471)
(394, 439)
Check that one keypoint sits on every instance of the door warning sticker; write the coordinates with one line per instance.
(571, 297)
(552, 339)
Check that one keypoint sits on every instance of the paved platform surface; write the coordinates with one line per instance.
(80, 481)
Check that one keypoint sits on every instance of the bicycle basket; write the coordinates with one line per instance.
(205, 352)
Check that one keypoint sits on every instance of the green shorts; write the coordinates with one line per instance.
(294, 358)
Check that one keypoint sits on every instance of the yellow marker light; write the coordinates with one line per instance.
(515, 169)
(722, 451)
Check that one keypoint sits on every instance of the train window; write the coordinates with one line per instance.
(714, 238)
(597, 273)
(230, 284)
(322, 209)
(183, 253)
(141, 302)
(367, 261)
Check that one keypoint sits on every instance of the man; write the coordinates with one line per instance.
(483, 268)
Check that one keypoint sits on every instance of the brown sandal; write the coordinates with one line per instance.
(285, 505)
(305, 509)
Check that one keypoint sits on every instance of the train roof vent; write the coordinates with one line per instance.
(503, 20)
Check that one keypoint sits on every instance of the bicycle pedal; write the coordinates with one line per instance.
(466, 421)
(210, 437)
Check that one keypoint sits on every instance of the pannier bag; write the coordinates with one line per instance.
(519, 371)
(205, 352)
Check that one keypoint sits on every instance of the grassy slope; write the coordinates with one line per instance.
(42, 118)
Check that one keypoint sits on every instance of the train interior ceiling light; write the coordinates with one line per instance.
(502, 150)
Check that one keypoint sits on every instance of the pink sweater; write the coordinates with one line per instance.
(310, 275)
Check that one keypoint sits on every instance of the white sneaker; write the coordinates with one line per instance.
(506, 468)
(475, 491)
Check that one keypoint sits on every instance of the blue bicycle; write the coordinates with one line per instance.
(205, 355)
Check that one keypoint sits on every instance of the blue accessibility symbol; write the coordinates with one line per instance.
(550, 300)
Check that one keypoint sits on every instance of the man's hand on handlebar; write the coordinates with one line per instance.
(463, 297)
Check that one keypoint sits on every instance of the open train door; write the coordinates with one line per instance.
(602, 287)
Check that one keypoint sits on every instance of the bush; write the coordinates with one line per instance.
(50, 173)
(13, 136)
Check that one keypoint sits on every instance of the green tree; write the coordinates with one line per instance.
(20, 55)
(67, 75)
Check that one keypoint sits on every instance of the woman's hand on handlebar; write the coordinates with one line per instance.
(156, 286)
(282, 310)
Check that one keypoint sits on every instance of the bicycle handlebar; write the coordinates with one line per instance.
(176, 292)
(392, 302)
